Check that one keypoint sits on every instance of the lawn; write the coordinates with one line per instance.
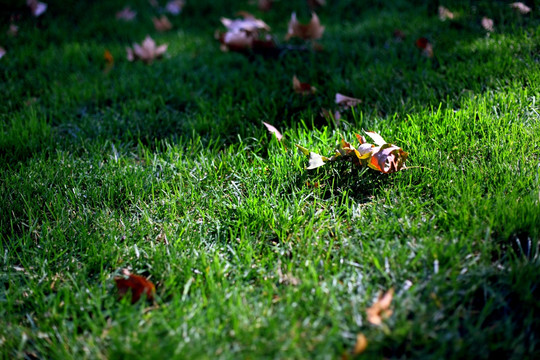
(165, 169)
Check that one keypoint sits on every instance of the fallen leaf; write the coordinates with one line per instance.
(315, 161)
(347, 101)
(302, 88)
(445, 14)
(147, 51)
(2, 52)
(520, 7)
(399, 35)
(310, 31)
(426, 47)
(245, 34)
(162, 24)
(37, 8)
(388, 159)
(136, 284)
(265, 5)
(273, 130)
(316, 3)
(361, 344)
(248, 24)
(13, 30)
(109, 59)
(487, 24)
(126, 14)
(174, 7)
(377, 139)
(381, 308)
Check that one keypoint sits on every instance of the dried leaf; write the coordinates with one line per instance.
(316, 3)
(37, 8)
(377, 139)
(310, 31)
(381, 308)
(126, 14)
(265, 5)
(388, 159)
(303, 150)
(273, 130)
(361, 344)
(248, 24)
(2, 52)
(13, 30)
(399, 35)
(445, 14)
(487, 24)
(162, 24)
(347, 101)
(302, 88)
(520, 7)
(426, 47)
(109, 59)
(136, 284)
(316, 160)
(174, 7)
(245, 34)
(147, 51)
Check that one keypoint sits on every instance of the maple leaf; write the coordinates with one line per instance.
(487, 24)
(361, 344)
(310, 31)
(520, 7)
(174, 7)
(302, 88)
(381, 308)
(135, 284)
(162, 24)
(126, 14)
(2, 52)
(147, 51)
(426, 47)
(445, 14)
(273, 130)
(37, 8)
(347, 101)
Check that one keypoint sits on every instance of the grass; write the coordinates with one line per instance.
(167, 170)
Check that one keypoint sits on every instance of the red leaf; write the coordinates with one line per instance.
(136, 284)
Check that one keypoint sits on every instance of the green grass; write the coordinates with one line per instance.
(97, 169)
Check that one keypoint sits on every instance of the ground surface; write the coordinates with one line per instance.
(166, 169)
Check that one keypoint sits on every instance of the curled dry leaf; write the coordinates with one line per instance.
(147, 51)
(520, 7)
(248, 24)
(381, 308)
(174, 7)
(302, 88)
(265, 5)
(245, 34)
(487, 24)
(126, 14)
(135, 284)
(162, 24)
(426, 47)
(361, 344)
(347, 101)
(273, 130)
(37, 8)
(310, 31)
(2, 52)
(445, 14)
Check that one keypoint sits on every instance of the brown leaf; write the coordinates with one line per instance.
(316, 3)
(445, 14)
(147, 51)
(273, 130)
(126, 14)
(109, 59)
(162, 24)
(136, 284)
(388, 158)
(302, 88)
(13, 30)
(174, 7)
(248, 24)
(399, 35)
(520, 7)
(426, 47)
(265, 5)
(381, 308)
(487, 24)
(37, 8)
(310, 31)
(347, 101)
(361, 344)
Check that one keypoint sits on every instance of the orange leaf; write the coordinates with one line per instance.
(109, 59)
(361, 344)
(136, 284)
(381, 308)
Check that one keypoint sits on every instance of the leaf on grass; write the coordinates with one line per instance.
(302, 88)
(109, 61)
(388, 159)
(147, 51)
(381, 308)
(445, 14)
(487, 24)
(303, 150)
(36, 8)
(316, 3)
(310, 31)
(426, 47)
(273, 130)
(248, 24)
(2, 52)
(520, 7)
(135, 284)
(377, 139)
(174, 7)
(13, 30)
(316, 160)
(126, 14)
(162, 24)
(265, 5)
(361, 344)
(347, 101)
(399, 35)
(245, 34)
